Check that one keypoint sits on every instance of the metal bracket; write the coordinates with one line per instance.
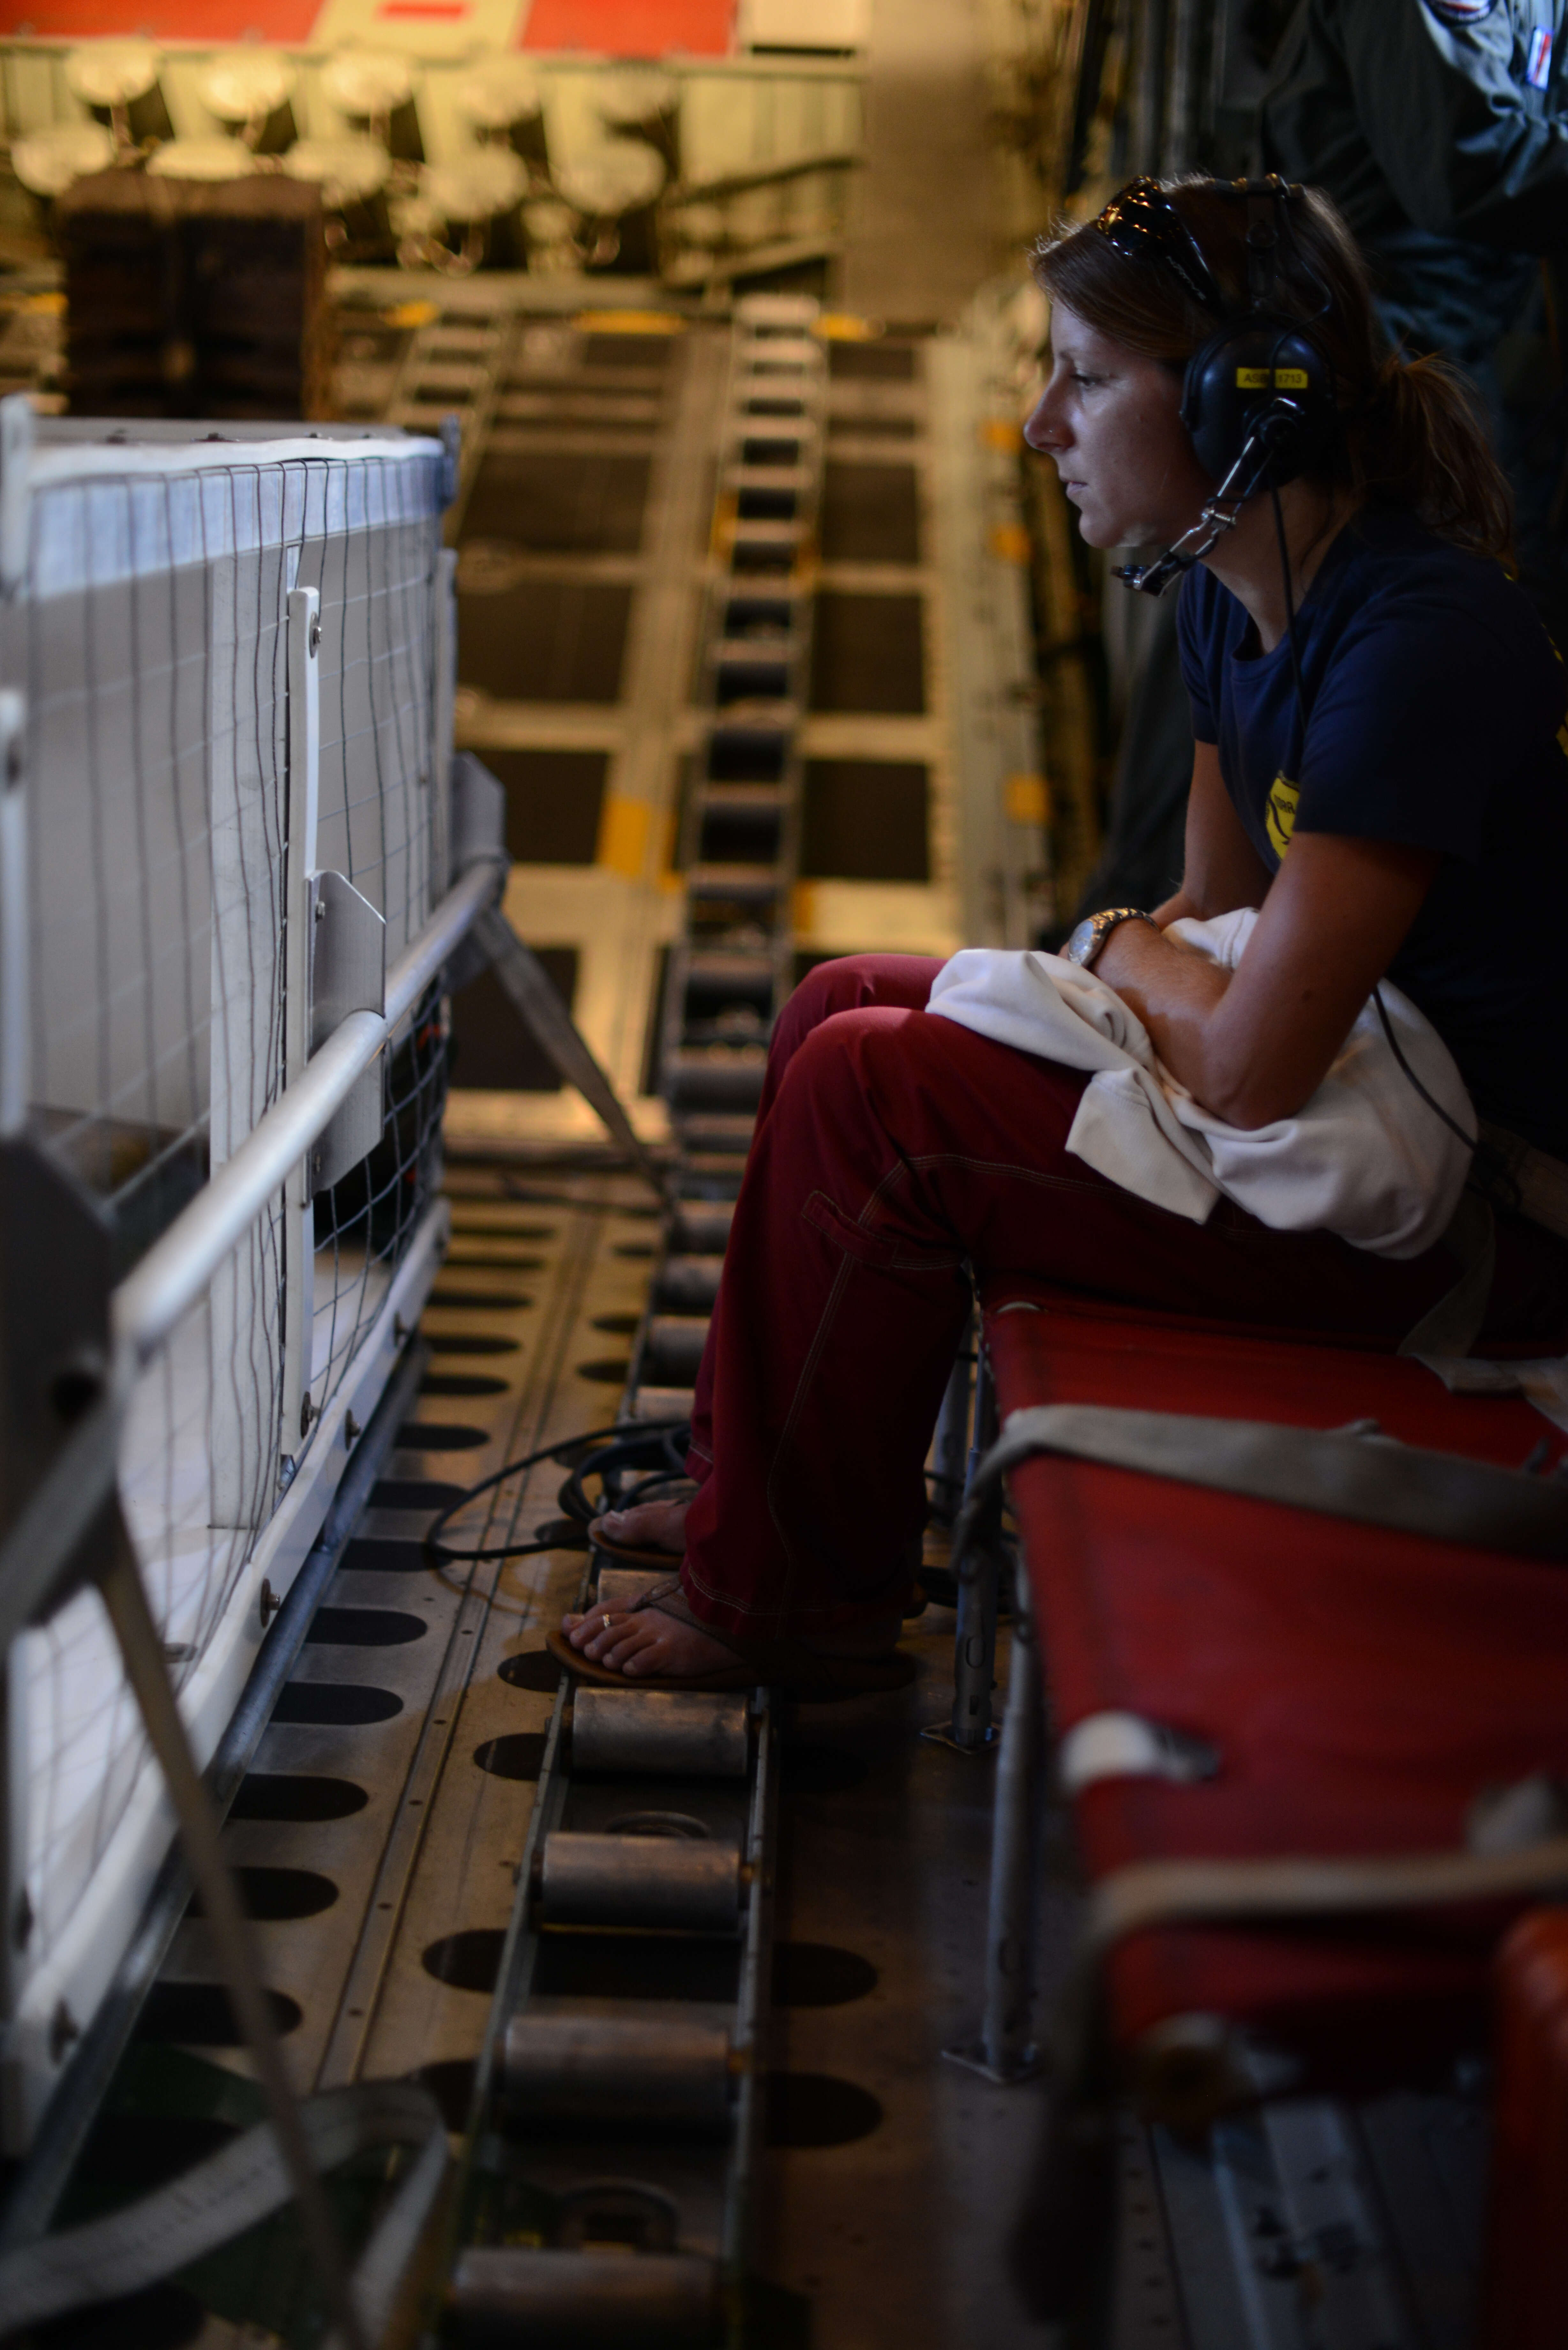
(304, 793)
(478, 815)
(348, 974)
(940, 1733)
(56, 1271)
(443, 698)
(1003, 2051)
(525, 980)
(972, 1730)
(55, 1275)
(972, 2056)
(476, 835)
(348, 955)
(16, 1023)
(15, 465)
(451, 450)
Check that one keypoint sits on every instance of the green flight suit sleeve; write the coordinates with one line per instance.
(1466, 147)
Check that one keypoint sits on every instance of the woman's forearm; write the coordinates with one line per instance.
(1179, 995)
(1255, 1044)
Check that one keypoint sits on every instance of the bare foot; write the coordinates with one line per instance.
(651, 1526)
(645, 1645)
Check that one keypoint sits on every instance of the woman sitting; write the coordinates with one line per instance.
(1396, 806)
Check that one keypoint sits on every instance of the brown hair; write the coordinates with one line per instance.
(1410, 432)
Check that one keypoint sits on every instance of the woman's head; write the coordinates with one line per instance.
(1409, 435)
(1109, 418)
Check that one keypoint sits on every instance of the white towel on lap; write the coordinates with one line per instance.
(1366, 1158)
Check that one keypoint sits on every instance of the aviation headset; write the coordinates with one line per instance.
(1258, 396)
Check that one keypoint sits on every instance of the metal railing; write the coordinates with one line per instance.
(183, 1385)
(151, 1301)
(226, 728)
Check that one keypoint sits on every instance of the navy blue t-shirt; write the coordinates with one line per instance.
(1435, 704)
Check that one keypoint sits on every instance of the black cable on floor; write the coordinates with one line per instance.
(616, 1436)
(626, 1453)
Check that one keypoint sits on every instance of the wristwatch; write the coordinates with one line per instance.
(1084, 946)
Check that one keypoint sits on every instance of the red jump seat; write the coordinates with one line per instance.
(1359, 1688)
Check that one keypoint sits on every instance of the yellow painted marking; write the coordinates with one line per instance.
(1279, 816)
(1010, 543)
(411, 314)
(629, 322)
(623, 836)
(999, 432)
(843, 327)
(1028, 799)
(1253, 379)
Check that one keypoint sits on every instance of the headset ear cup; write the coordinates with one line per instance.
(1255, 364)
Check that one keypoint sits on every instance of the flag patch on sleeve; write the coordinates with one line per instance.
(1538, 58)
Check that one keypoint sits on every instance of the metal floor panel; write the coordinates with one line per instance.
(431, 1853)
(893, 2222)
(477, 1819)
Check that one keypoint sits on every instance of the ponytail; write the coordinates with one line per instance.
(1416, 441)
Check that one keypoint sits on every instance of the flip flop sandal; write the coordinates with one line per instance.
(631, 1554)
(736, 1676)
(583, 1668)
(785, 1664)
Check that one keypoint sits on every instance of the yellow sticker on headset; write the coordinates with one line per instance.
(1284, 379)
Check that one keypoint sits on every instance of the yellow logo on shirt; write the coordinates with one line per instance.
(1280, 815)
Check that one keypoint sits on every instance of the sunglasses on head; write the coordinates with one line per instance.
(1142, 224)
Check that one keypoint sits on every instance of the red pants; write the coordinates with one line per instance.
(895, 1155)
